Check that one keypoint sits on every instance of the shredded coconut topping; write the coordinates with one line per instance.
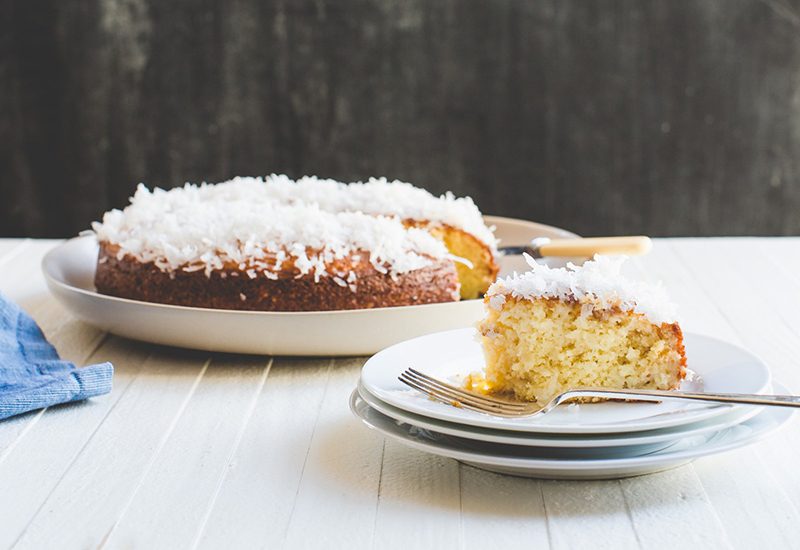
(209, 227)
(597, 284)
(377, 196)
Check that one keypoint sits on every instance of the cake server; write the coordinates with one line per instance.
(542, 247)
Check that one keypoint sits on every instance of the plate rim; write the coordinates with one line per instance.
(782, 415)
(581, 441)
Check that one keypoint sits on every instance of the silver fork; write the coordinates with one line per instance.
(461, 398)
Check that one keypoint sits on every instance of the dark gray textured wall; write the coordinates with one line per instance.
(606, 117)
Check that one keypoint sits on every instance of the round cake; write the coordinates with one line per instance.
(238, 245)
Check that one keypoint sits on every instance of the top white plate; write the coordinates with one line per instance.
(69, 270)
(718, 367)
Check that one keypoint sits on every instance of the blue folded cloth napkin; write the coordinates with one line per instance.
(32, 375)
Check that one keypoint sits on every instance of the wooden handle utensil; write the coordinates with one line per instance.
(608, 246)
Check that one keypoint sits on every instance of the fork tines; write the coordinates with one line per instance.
(459, 397)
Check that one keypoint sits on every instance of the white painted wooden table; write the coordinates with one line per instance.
(197, 450)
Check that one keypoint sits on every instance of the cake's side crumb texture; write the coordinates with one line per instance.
(481, 267)
(538, 347)
(232, 288)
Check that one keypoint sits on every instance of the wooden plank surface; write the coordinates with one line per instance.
(201, 450)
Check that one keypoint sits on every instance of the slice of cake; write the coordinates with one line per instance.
(549, 330)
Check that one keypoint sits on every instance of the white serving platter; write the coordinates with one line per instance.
(69, 270)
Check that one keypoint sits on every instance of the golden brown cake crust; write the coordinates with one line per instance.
(232, 288)
(679, 347)
(475, 280)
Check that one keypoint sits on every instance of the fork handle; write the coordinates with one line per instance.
(658, 395)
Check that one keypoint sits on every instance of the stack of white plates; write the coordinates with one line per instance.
(587, 441)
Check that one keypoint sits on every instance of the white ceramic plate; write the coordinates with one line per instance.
(449, 355)
(69, 270)
(498, 458)
(608, 445)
